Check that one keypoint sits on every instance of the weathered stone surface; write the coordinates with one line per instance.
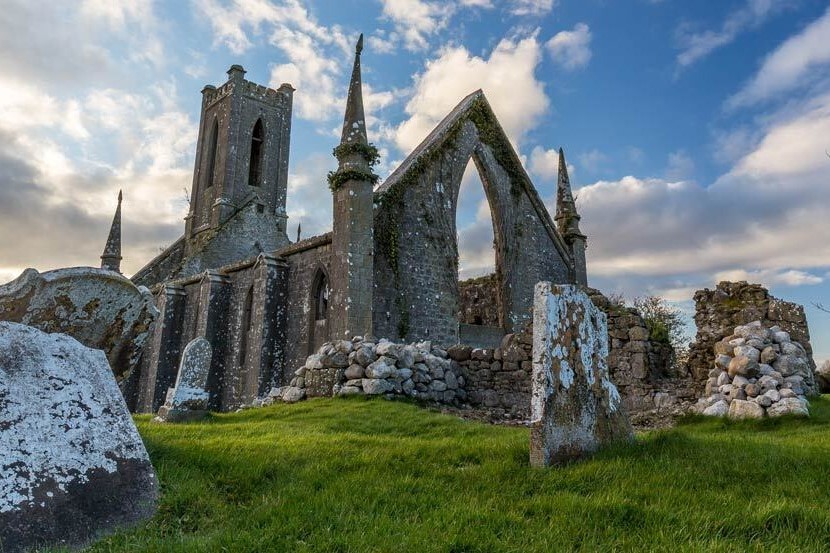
(73, 466)
(789, 406)
(189, 398)
(575, 408)
(742, 409)
(292, 394)
(717, 409)
(99, 308)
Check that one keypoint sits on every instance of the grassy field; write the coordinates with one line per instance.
(361, 475)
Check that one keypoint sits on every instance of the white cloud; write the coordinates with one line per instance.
(530, 7)
(507, 77)
(765, 216)
(770, 277)
(697, 45)
(416, 20)
(571, 49)
(544, 163)
(799, 59)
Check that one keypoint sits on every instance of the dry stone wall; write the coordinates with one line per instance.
(758, 371)
(365, 367)
(649, 381)
(731, 304)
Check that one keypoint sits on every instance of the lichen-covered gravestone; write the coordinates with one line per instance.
(575, 408)
(72, 465)
(189, 399)
(99, 308)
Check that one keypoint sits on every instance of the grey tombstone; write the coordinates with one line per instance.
(575, 408)
(72, 464)
(188, 400)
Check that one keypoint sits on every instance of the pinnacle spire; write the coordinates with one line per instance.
(111, 258)
(354, 123)
(567, 218)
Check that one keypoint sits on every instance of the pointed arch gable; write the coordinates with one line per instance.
(416, 250)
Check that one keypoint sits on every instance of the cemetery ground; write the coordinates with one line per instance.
(376, 475)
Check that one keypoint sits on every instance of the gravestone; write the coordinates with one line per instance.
(189, 399)
(99, 308)
(575, 408)
(72, 465)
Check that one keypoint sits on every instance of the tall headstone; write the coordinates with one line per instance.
(575, 408)
(189, 398)
(72, 465)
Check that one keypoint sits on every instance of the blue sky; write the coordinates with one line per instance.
(695, 131)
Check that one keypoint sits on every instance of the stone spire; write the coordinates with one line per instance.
(354, 123)
(111, 258)
(567, 221)
(352, 264)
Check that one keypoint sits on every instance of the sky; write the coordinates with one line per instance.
(696, 133)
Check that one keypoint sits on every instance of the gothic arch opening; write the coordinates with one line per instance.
(318, 326)
(480, 314)
(255, 162)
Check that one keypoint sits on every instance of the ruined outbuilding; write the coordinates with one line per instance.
(388, 269)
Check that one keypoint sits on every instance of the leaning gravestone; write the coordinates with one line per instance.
(99, 308)
(575, 408)
(189, 399)
(72, 465)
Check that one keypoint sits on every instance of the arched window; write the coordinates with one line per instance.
(255, 165)
(321, 298)
(214, 140)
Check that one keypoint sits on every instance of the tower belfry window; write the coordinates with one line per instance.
(255, 165)
(214, 139)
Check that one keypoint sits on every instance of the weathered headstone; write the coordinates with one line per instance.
(99, 308)
(575, 408)
(189, 399)
(72, 465)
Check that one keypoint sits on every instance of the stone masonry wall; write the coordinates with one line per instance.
(416, 251)
(642, 368)
(731, 304)
(476, 298)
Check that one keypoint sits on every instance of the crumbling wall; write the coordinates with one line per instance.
(643, 369)
(477, 303)
(732, 304)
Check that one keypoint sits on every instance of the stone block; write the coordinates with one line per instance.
(575, 408)
(99, 308)
(72, 465)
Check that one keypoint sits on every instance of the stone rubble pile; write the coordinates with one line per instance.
(758, 371)
(361, 366)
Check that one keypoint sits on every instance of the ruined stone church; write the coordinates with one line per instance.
(388, 268)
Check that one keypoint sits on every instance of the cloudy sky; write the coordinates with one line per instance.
(696, 132)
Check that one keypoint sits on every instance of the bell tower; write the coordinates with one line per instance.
(242, 157)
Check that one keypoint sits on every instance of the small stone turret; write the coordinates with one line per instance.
(352, 266)
(111, 258)
(567, 221)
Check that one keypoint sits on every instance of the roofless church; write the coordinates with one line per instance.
(388, 268)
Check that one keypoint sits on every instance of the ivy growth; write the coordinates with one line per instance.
(368, 151)
(341, 176)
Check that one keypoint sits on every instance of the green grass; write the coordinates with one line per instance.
(362, 475)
